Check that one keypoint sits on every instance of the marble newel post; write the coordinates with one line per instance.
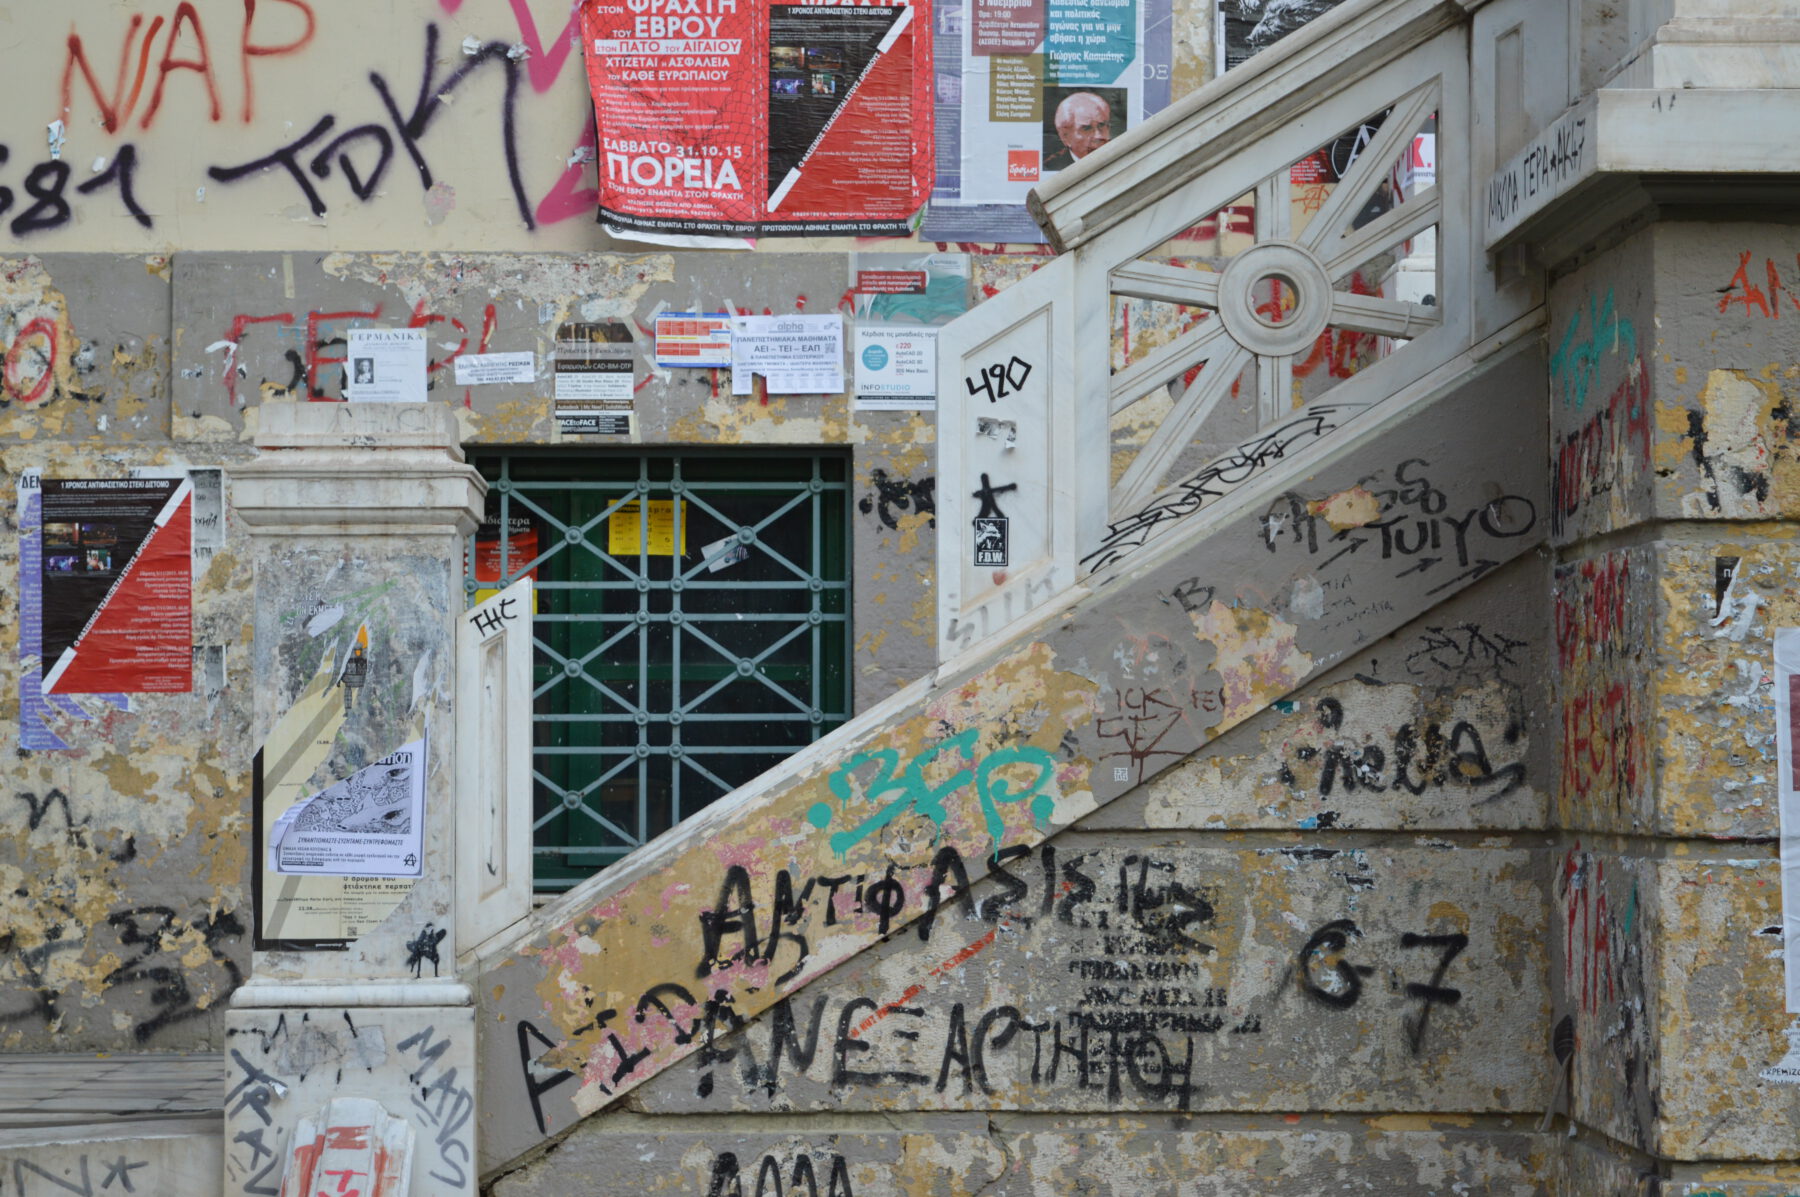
(354, 1021)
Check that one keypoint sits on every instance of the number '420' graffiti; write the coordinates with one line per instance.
(906, 790)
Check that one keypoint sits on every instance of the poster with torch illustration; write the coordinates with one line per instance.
(727, 118)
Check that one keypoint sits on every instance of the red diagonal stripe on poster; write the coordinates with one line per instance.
(863, 162)
(141, 639)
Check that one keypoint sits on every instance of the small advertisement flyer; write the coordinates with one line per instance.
(900, 300)
(369, 824)
(117, 585)
(499, 555)
(387, 365)
(693, 339)
(725, 119)
(595, 379)
(796, 355)
(1026, 88)
(896, 368)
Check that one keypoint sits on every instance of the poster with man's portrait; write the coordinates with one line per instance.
(1079, 120)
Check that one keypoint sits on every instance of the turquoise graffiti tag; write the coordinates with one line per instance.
(1575, 363)
(899, 791)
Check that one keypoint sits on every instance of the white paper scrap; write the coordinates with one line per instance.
(371, 824)
(479, 369)
(724, 552)
(796, 355)
(1787, 788)
(386, 365)
(896, 368)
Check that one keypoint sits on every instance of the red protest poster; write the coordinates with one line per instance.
(117, 585)
(745, 118)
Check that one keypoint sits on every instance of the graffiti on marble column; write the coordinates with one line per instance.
(1600, 620)
(1594, 332)
(443, 1104)
(1606, 454)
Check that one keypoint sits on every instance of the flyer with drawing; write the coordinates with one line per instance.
(369, 824)
(311, 910)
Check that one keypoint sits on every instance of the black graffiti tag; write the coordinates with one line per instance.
(999, 379)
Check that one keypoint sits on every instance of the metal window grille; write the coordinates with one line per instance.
(692, 630)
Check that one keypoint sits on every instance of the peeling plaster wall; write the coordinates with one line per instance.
(320, 125)
(1014, 1155)
(1293, 893)
(255, 328)
(123, 880)
(1672, 374)
(123, 887)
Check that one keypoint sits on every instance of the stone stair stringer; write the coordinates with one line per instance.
(789, 877)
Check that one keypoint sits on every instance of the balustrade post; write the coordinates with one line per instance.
(358, 515)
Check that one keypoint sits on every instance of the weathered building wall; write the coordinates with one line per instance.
(165, 132)
(122, 870)
(1335, 909)
(317, 124)
(395, 128)
(1672, 375)
(124, 913)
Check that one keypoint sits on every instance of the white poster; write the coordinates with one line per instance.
(370, 824)
(1026, 88)
(797, 355)
(896, 368)
(1787, 709)
(386, 365)
(481, 369)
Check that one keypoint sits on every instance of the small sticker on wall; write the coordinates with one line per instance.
(990, 540)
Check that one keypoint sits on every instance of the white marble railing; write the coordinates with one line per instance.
(1239, 277)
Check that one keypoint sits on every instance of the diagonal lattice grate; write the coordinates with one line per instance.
(692, 630)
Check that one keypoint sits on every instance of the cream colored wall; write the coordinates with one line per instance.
(190, 87)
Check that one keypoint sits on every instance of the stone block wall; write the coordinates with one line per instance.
(1672, 374)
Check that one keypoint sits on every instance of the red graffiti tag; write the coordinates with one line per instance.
(43, 327)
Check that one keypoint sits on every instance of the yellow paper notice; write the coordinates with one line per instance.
(623, 526)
